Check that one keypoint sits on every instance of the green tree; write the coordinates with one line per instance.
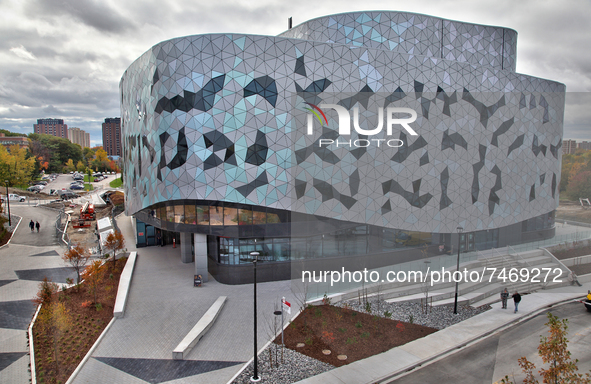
(56, 150)
(553, 350)
(80, 167)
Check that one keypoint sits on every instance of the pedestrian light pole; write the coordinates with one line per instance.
(8, 203)
(255, 377)
(460, 229)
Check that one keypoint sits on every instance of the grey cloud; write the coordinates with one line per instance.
(93, 13)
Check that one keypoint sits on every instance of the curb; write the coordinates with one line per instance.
(12, 233)
(32, 348)
(410, 368)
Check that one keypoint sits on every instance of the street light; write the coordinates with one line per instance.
(460, 229)
(8, 203)
(255, 378)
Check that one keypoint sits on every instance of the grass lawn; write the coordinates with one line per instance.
(88, 187)
(116, 183)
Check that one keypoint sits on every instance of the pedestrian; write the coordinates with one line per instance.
(516, 298)
(589, 295)
(37, 225)
(32, 225)
(504, 297)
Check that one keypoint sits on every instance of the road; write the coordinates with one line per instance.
(488, 361)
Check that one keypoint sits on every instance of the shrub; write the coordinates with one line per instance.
(326, 299)
(387, 314)
(358, 324)
(86, 304)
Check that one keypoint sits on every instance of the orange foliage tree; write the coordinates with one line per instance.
(554, 351)
(93, 276)
(77, 257)
(114, 243)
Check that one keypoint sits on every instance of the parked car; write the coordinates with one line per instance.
(65, 195)
(76, 187)
(35, 188)
(13, 197)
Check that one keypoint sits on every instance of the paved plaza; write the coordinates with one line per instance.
(163, 306)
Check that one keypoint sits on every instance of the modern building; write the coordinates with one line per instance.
(54, 127)
(79, 136)
(570, 146)
(112, 136)
(9, 141)
(355, 140)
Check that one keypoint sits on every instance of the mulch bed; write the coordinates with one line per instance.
(569, 253)
(86, 325)
(346, 332)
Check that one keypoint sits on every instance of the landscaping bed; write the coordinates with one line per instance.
(570, 253)
(347, 334)
(75, 331)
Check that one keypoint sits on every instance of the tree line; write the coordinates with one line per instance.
(50, 154)
(575, 180)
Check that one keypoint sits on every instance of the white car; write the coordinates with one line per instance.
(13, 197)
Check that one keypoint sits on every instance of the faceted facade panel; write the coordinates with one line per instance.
(224, 117)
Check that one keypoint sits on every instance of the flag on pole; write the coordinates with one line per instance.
(286, 306)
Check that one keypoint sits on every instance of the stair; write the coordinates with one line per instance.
(485, 291)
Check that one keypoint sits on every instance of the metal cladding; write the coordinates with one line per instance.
(224, 117)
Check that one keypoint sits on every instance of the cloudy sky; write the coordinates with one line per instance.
(64, 58)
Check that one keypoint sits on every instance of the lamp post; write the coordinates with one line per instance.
(255, 377)
(460, 229)
(8, 203)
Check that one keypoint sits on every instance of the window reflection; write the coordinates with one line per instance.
(230, 216)
(202, 215)
(244, 217)
(216, 215)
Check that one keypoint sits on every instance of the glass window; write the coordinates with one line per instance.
(202, 215)
(162, 213)
(273, 218)
(179, 213)
(190, 214)
(244, 217)
(259, 217)
(216, 215)
(230, 216)
(170, 213)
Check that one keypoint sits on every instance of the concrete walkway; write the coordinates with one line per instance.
(380, 368)
(25, 261)
(163, 306)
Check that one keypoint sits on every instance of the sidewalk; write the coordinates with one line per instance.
(163, 306)
(380, 368)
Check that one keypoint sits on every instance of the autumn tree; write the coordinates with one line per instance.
(77, 257)
(579, 185)
(553, 350)
(47, 289)
(80, 167)
(55, 318)
(114, 243)
(69, 166)
(16, 165)
(93, 276)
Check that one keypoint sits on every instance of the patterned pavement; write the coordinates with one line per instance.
(25, 261)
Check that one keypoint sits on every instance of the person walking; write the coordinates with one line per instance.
(37, 225)
(516, 299)
(504, 297)
(32, 225)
